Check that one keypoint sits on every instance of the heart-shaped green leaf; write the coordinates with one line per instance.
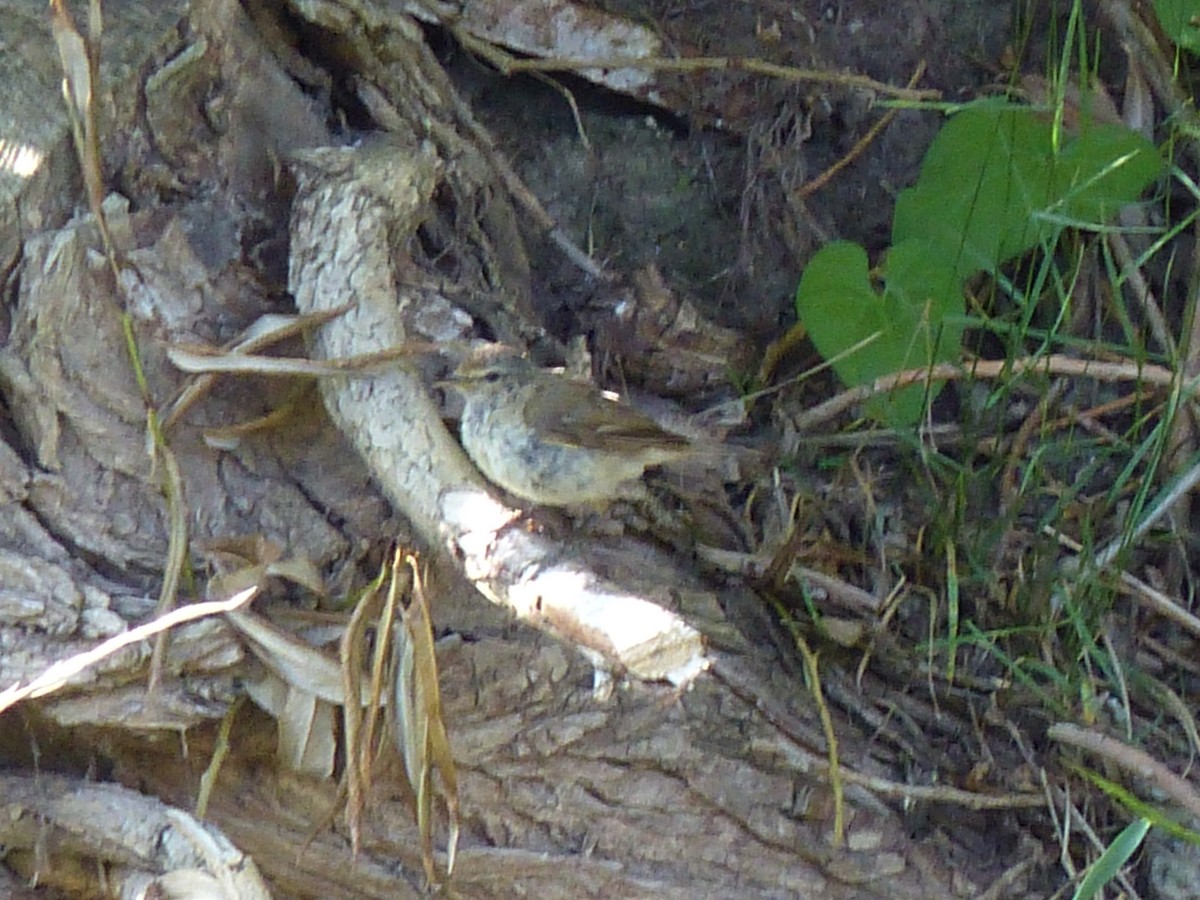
(866, 334)
(993, 184)
(1178, 19)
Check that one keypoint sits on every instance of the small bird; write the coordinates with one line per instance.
(553, 441)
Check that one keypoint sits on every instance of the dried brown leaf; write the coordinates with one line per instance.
(420, 729)
(360, 728)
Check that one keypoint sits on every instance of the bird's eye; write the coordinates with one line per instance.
(491, 377)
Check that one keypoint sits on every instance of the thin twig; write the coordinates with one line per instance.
(720, 64)
(1150, 596)
(1136, 761)
(727, 672)
(1040, 365)
(1146, 301)
(860, 145)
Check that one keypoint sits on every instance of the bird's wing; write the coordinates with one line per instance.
(590, 421)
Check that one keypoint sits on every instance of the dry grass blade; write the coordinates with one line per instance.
(304, 686)
(419, 728)
(360, 729)
(177, 541)
(239, 358)
(205, 361)
(80, 60)
(73, 54)
(57, 675)
(220, 753)
(1172, 703)
(264, 332)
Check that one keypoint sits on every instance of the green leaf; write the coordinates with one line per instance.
(1104, 168)
(1113, 859)
(865, 334)
(996, 182)
(980, 178)
(840, 310)
(1176, 17)
(993, 186)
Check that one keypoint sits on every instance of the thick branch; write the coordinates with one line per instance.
(355, 212)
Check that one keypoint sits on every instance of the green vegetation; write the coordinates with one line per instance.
(1038, 245)
(1180, 20)
(998, 181)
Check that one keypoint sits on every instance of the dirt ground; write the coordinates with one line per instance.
(710, 191)
(652, 233)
